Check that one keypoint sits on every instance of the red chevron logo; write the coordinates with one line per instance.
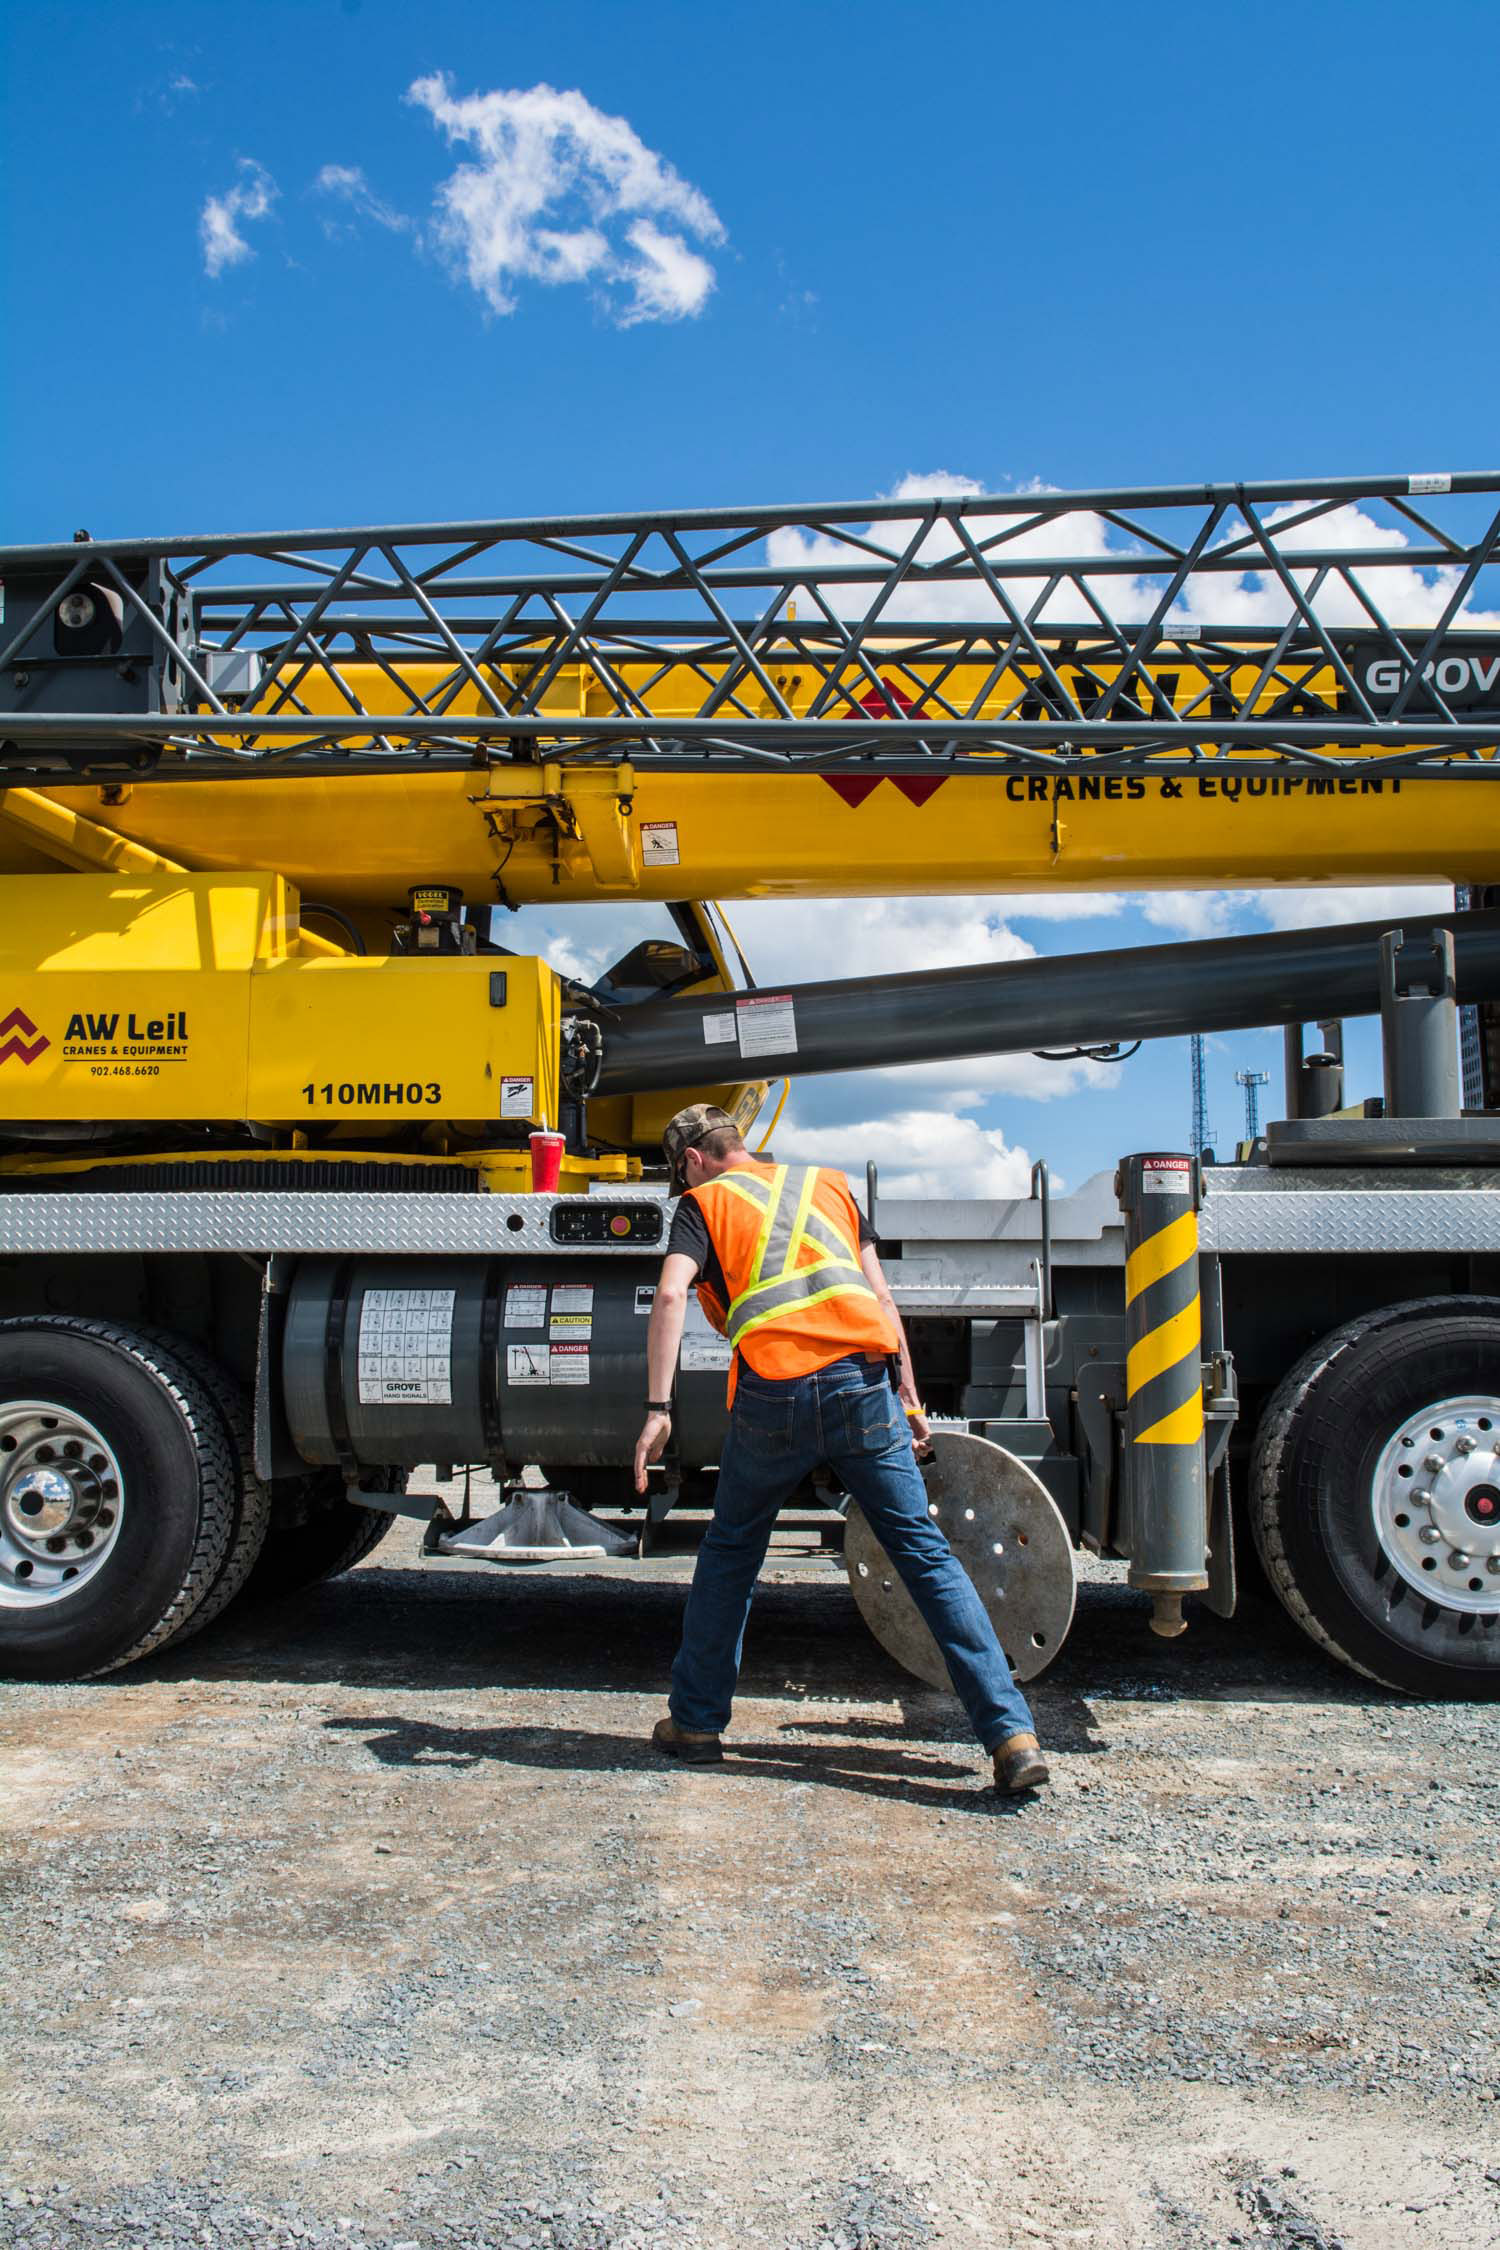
(21, 1038)
(885, 702)
(916, 788)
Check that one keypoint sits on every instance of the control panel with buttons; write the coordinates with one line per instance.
(577, 1219)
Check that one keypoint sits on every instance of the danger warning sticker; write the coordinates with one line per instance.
(527, 1364)
(1166, 1175)
(659, 844)
(517, 1097)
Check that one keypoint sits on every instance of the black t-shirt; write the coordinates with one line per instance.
(689, 1238)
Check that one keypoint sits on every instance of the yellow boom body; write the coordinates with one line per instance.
(549, 832)
(167, 981)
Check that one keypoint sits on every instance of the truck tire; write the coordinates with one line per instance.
(327, 1533)
(252, 1509)
(118, 1490)
(1375, 1496)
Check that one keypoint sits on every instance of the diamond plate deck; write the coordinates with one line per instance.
(314, 1222)
(1300, 1213)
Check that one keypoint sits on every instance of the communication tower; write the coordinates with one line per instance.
(1202, 1132)
(1252, 1081)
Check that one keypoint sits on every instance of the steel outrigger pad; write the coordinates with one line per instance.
(1006, 1530)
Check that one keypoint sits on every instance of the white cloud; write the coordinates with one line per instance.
(1400, 592)
(561, 192)
(1078, 533)
(1199, 914)
(809, 940)
(668, 279)
(219, 222)
(1063, 905)
(347, 184)
(1190, 914)
(919, 1152)
(972, 1081)
(1313, 909)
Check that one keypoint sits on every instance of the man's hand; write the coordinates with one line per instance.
(921, 1435)
(649, 1446)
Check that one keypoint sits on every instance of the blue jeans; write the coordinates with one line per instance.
(849, 1416)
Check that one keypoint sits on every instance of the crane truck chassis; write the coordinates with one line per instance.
(267, 1239)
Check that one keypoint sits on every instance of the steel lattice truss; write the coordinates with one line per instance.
(1020, 630)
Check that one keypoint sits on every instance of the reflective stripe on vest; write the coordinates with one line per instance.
(790, 1229)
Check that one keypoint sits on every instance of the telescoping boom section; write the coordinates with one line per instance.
(1191, 685)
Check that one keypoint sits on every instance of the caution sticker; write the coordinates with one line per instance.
(659, 844)
(719, 1030)
(517, 1097)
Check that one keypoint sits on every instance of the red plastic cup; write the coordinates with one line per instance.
(546, 1162)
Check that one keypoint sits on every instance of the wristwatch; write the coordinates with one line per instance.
(658, 1406)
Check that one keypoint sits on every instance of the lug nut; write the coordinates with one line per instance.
(1423, 1499)
(1433, 1463)
(1494, 1565)
(1458, 1562)
(1429, 1535)
(1463, 1444)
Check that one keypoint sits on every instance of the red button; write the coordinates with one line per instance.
(620, 1225)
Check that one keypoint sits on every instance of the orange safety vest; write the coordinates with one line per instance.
(787, 1238)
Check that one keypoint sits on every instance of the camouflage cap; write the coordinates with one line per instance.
(688, 1128)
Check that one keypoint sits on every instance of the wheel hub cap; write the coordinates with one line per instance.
(61, 1502)
(1436, 1503)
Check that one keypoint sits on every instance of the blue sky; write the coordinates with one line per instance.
(1106, 246)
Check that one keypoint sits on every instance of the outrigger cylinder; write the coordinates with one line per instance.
(1164, 1481)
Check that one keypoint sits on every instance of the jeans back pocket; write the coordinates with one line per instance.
(872, 1417)
(763, 1425)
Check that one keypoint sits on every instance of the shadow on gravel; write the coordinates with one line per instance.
(934, 1783)
(408, 1628)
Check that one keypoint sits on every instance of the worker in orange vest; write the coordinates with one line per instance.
(785, 1267)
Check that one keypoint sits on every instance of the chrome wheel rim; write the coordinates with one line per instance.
(62, 1501)
(1435, 1498)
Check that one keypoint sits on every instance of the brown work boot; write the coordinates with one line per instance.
(693, 1749)
(1019, 1765)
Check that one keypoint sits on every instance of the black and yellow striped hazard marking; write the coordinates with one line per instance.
(1164, 1333)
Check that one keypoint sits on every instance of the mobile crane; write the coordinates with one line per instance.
(269, 1237)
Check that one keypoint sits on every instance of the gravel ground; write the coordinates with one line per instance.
(371, 1921)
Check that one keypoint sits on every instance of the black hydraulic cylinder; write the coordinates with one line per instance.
(1419, 1024)
(1013, 1007)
